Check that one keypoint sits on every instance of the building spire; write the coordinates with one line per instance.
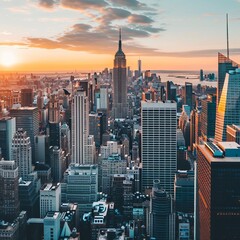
(120, 40)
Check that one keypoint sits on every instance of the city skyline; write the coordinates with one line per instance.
(67, 35)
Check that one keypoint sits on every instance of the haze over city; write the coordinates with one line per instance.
(54, 35)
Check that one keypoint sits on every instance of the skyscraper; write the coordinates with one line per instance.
(57, 163)
(224, 65)
(184, 191)
(27, 119)
(218, 176)
(80, 126)
(159, 144)
(9, 201)
(7, 131)
(188, 94)
(228, 110)
(139, 67)
(208, 117)
(53, 110)
(22, 153)
(119, 83)
(161, 214)
(27, 97)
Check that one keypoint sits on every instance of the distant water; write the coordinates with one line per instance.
(180, 77)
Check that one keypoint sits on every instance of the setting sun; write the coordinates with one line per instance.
(8, 59)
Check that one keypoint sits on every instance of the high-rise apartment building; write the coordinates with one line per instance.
(228, 110)
(224, 65)
(50, 198)
(9, 201)
(120, 108)
(7, 131)
(80, 126)
(218, 176)
(208, 120)
(22, 153)
(27, 97)
(159, 143)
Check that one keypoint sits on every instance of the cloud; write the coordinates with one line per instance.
(99, 40)
(83, 4)
(132, 4)
(110, 14)
(58, 19)
(101, 35)
(14, 44)
(6, 33)
(139, 19)
(24, 10)
(49, 4)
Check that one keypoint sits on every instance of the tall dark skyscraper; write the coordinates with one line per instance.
(218, 176)
(119, 83)
(7, 130)
(161, 213)
(27, 97)
(208, 117)
(224, 65)
(188, 94)
(9, 202)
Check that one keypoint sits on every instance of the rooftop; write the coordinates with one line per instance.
(224, 159)
(51, 215)
(50, 187)
(228, 145)
(235, 127)
(24, 108)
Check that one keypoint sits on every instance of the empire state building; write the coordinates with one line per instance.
(119, 83)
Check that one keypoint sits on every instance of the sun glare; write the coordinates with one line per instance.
(8, 59)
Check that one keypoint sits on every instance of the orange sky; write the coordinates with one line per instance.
(33, 59)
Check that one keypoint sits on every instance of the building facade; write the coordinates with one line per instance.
(120, 108)
(80, 126)
(228, 110)
(218, 175)
(159, 144)
(9, 200)
(22, 152)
